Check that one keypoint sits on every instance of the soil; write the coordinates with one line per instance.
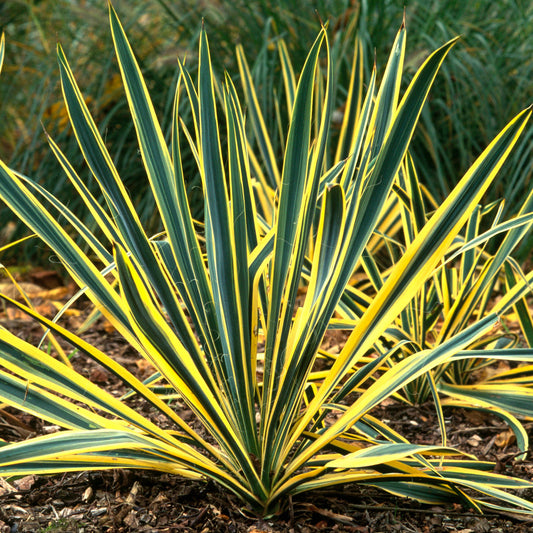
(138, 501)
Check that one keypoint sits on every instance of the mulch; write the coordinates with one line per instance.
(131, 501)
(139, 501)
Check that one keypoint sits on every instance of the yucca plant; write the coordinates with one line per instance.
(461, 289)
(465, 288)
(214, 308)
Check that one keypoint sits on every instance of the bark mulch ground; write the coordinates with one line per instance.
(137, 501)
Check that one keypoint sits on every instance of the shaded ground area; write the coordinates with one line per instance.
(126, 501)
(132, 501)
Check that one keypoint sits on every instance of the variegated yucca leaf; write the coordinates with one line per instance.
(466, 281)
(2, 50)
(462, 289)
(217, 307)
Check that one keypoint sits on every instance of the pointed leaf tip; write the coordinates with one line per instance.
(320, 19)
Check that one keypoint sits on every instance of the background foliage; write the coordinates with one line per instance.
(491, 70)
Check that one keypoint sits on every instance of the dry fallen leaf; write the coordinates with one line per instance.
(98, 375)
(504, 439)
(47, 308)
(25, 483)
(11, 291)
(474, 441)
(88, 495)
(55, 294)
(13, 313)
(144, 366)
(107, 326)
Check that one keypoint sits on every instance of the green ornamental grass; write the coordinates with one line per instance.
(214, 307)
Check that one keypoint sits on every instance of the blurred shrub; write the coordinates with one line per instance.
(491, 70)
